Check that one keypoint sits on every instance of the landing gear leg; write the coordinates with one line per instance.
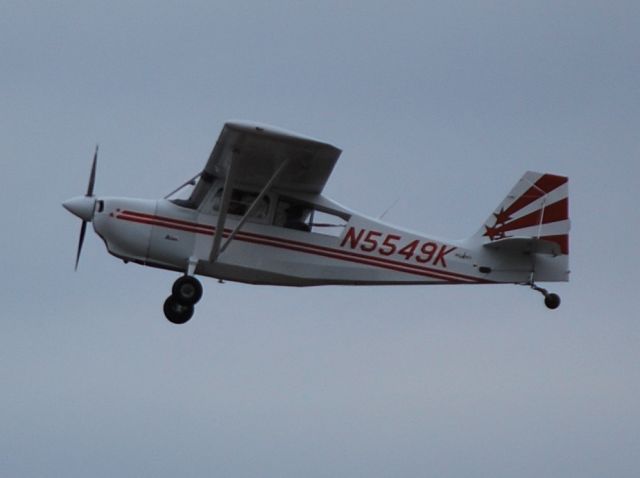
(551, 300)
(185, 293)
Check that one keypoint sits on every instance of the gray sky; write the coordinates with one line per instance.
(441, 104)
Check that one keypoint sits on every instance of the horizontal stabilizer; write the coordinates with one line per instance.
(526, 245)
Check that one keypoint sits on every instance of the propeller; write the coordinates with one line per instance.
(92, 177)
(83, 229)
(83, 206)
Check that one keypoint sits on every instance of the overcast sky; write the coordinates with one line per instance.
(438, 105)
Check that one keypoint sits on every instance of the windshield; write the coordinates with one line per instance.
(180, 196)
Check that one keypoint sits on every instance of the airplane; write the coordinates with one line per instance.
(256, 214)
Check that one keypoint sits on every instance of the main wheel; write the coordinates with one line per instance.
(552, 301)
(187, 290)
(176, 312)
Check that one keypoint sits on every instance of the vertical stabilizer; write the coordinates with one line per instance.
(536, 207)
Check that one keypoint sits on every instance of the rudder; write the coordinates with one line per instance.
(537, 207)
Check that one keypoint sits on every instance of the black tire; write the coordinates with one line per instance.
(187, 290)
(552, 301)
(176, 312)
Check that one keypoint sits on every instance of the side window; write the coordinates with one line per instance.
(292, 215)
(327, 223)
(304, 217)
(217, 199)
(241, 201)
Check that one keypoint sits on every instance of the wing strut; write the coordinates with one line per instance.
(216, 250)
(224, 206)
(254, 204)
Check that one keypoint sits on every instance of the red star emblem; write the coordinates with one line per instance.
(502, 216)
(493, 233)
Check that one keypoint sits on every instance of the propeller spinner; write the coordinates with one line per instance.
(84, 206)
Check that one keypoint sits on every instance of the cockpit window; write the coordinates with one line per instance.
(184, 203)
(183, 196)
(241, 201)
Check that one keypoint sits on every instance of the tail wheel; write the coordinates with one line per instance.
(552, 301)
(176, 312)
(187, 290)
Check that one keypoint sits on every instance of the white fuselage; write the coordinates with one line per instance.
(364, 251)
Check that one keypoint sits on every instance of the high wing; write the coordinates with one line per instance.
(253, 153)
(261, 157)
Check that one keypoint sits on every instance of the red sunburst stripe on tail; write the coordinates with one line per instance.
(558, 211)
(544, 185)
(561, 240)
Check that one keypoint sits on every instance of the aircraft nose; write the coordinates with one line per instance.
(81, 206)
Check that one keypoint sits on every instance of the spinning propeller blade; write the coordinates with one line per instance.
(83, 229)
(92, 177)
(83, 206)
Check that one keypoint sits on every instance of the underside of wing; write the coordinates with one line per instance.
(254, 152)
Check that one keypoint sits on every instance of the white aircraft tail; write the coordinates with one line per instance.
(534, 214)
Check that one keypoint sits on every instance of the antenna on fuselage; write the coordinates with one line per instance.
(393, 204)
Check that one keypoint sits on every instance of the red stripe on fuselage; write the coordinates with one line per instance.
(300, 247)
(166, 222)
